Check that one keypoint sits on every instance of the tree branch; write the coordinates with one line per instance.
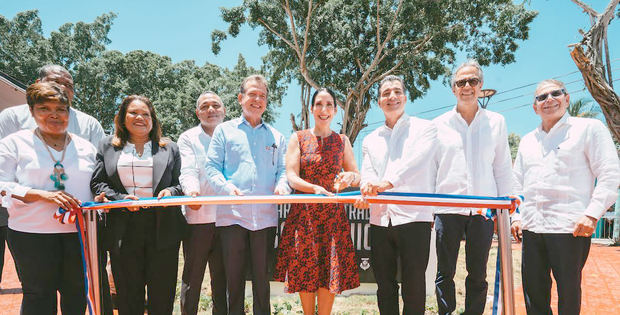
(306, 32)
(586, 8)
(386, 73)
(378, 25)
(276, 33)
(287, 8)
(405, 47)
(301, 54)
(380, 48)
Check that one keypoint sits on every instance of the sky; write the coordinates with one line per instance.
(182, 30)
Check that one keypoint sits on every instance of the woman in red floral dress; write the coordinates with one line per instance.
(315, 254)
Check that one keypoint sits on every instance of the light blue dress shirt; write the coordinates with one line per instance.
(251, 159)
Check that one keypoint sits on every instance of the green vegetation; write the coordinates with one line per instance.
(104, 77)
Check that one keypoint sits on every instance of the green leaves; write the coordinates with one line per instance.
(349, 45)
(513, 142)
(103, 78)
(583, 108)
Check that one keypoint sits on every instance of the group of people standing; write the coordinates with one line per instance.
(464, 151)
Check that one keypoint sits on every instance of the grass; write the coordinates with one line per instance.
(364, 304)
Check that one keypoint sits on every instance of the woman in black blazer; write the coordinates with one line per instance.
(136, 162)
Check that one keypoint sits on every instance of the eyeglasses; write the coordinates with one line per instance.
(554, 94)
(472, 82)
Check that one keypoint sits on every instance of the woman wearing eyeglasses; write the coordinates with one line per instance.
(136, 162)
(315, 254)
(44, 170)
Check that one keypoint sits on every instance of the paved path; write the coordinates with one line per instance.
(10, 288)
(601, 285)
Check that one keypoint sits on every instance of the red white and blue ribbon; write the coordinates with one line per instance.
(481, 203)
(64, 216)
(420, 199)
(86, 263)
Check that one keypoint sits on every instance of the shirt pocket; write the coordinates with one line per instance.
(236, 150)
(238, 157)
(569, 156)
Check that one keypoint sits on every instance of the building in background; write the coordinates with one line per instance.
(12, 92)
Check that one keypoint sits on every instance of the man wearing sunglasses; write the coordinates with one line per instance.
(487, 155)
(556, 169)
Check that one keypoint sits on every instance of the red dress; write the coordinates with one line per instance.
(315, 249)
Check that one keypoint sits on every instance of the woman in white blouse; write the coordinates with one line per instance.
(45, 169)
(136, 162)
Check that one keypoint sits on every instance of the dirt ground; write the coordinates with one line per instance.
(366, 303)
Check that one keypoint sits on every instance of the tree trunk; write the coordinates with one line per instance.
(354, 116)
(590, 64)
(599, 89)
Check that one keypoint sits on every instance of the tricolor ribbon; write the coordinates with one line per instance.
(65, 216)
(420, 199)
(401, 198)
(86, 264)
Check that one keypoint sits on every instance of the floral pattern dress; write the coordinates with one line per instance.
(315, 249)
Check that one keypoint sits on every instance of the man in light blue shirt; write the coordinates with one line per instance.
(246, 157)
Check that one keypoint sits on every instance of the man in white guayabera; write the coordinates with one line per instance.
(202, 244)
(567, 170)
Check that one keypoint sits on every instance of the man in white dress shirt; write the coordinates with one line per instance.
(203, 242)
(407, 154)
(568, 171)
(489, 173)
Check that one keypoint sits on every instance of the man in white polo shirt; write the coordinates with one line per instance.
(567, 170)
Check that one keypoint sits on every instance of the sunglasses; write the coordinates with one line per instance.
(553, 94)
(472, 82)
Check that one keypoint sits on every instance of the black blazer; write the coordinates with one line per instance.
(170, 225)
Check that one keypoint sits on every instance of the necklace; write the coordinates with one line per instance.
(58, 175)
(139, 154)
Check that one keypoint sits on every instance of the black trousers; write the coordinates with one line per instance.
(564, 255)
(202, 245)
(48, 263)
(241, 247)
(3, 231)
(411, 243)
(478, 233)
(138, 262)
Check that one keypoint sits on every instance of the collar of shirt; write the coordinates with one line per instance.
(203, 136)
(564, 120)
(131, 148)
(480, 114)
(402, 121)
(242, 121)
